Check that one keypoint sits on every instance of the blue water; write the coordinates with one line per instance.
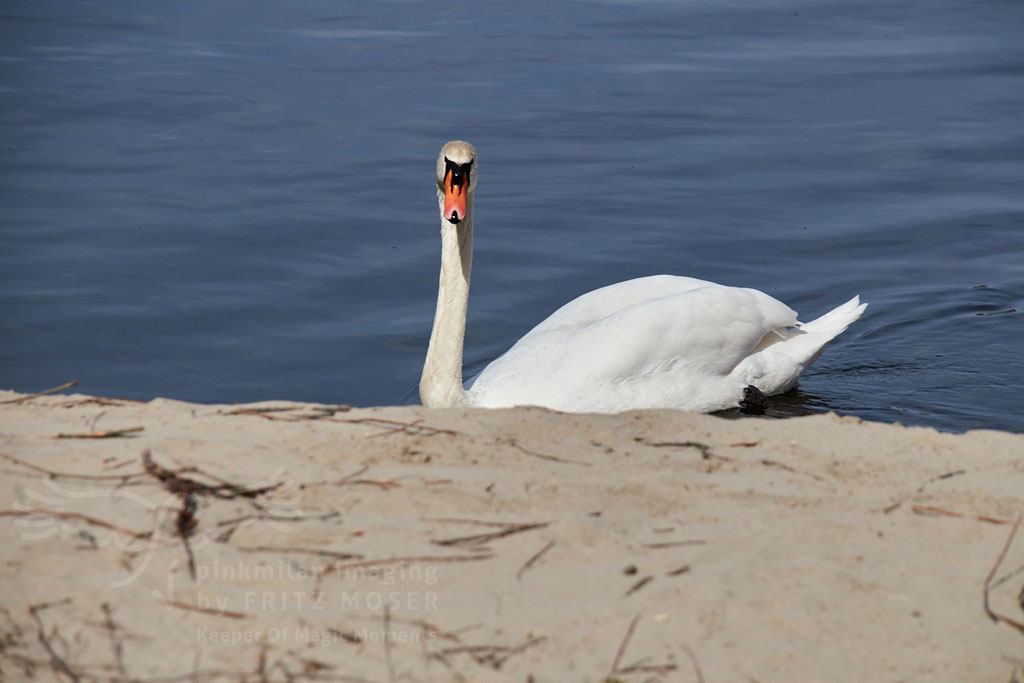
(234, 201)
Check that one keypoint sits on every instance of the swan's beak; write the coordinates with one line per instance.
(455, 186)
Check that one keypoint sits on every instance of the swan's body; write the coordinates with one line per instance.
(654, 342)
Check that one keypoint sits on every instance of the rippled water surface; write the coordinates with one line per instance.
(235, 201)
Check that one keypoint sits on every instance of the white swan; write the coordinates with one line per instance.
(653, 342)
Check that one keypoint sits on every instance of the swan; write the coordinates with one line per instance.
(661, 341)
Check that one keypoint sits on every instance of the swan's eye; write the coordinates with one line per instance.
(458, 174)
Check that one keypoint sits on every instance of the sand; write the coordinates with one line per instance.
(285, 541)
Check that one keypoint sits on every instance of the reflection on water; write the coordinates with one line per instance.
(217, 206)
(791, 404)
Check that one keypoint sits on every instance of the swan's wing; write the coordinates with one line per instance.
(711, 329)
(605, 301)
(677, 349)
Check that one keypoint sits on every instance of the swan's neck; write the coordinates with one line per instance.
(441, 382)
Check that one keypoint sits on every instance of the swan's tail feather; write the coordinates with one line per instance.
(837, 320)
(781, 363)
(805, 348)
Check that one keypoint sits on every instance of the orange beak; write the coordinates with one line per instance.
(455, 188)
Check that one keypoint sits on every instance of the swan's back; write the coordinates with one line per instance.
(660, 341)
(605, 301)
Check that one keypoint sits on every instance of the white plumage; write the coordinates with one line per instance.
(662, 341)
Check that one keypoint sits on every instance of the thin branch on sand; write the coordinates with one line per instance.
(333, 554)
(934, 511)
(705, 450)
(56, 661)
(947, 475)
(483, 539)
(96, 400)
(466, 520)
(412, 559)
(107, 434)
(638, 667)
(693, 660)
(414, 428)
(54, 390)
(53, 474)
(493, 656)
(768, 462)
(995, 616)
(350, 479)
(347, 636)
(185, 524)
(675, 544)
(639, 584)
(530, 562)
(702, 447)
(387, 642)
(622, 648)
(205, 610)
(95, 521)
(545, 456)
(236, 522)
(175, 483)
(116, 647)
(267, 412)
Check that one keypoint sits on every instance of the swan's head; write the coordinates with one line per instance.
(456, 179)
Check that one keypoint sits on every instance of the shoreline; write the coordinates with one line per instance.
(403, 543)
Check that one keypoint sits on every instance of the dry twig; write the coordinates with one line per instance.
(639, 667)
(117, 402)
(175, 483)
(995, 616)
(236, 522)
(350, 479)
(705, 450)
(622, 648)
(639, 584)
(489, 655)
(307, 551)
(693, 660)
(75, 515)
(320, 412)
(387, 642)
(413, 559)
(115, 644)
(205, 610)
(930, 510)
(107, 434)
(544, 456)
(530, 562)
(56, 661)
(54, 390)
(414, 428)
(674, 544)
(947, 475)
(767, 462)
(53, 474)
(482, 539)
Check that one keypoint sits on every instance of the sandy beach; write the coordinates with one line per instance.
(285, 541)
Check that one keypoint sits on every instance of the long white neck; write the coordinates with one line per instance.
(441, 382)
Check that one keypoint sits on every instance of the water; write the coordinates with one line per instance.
(225, 202)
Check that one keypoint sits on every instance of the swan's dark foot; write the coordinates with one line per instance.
(754, 401)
